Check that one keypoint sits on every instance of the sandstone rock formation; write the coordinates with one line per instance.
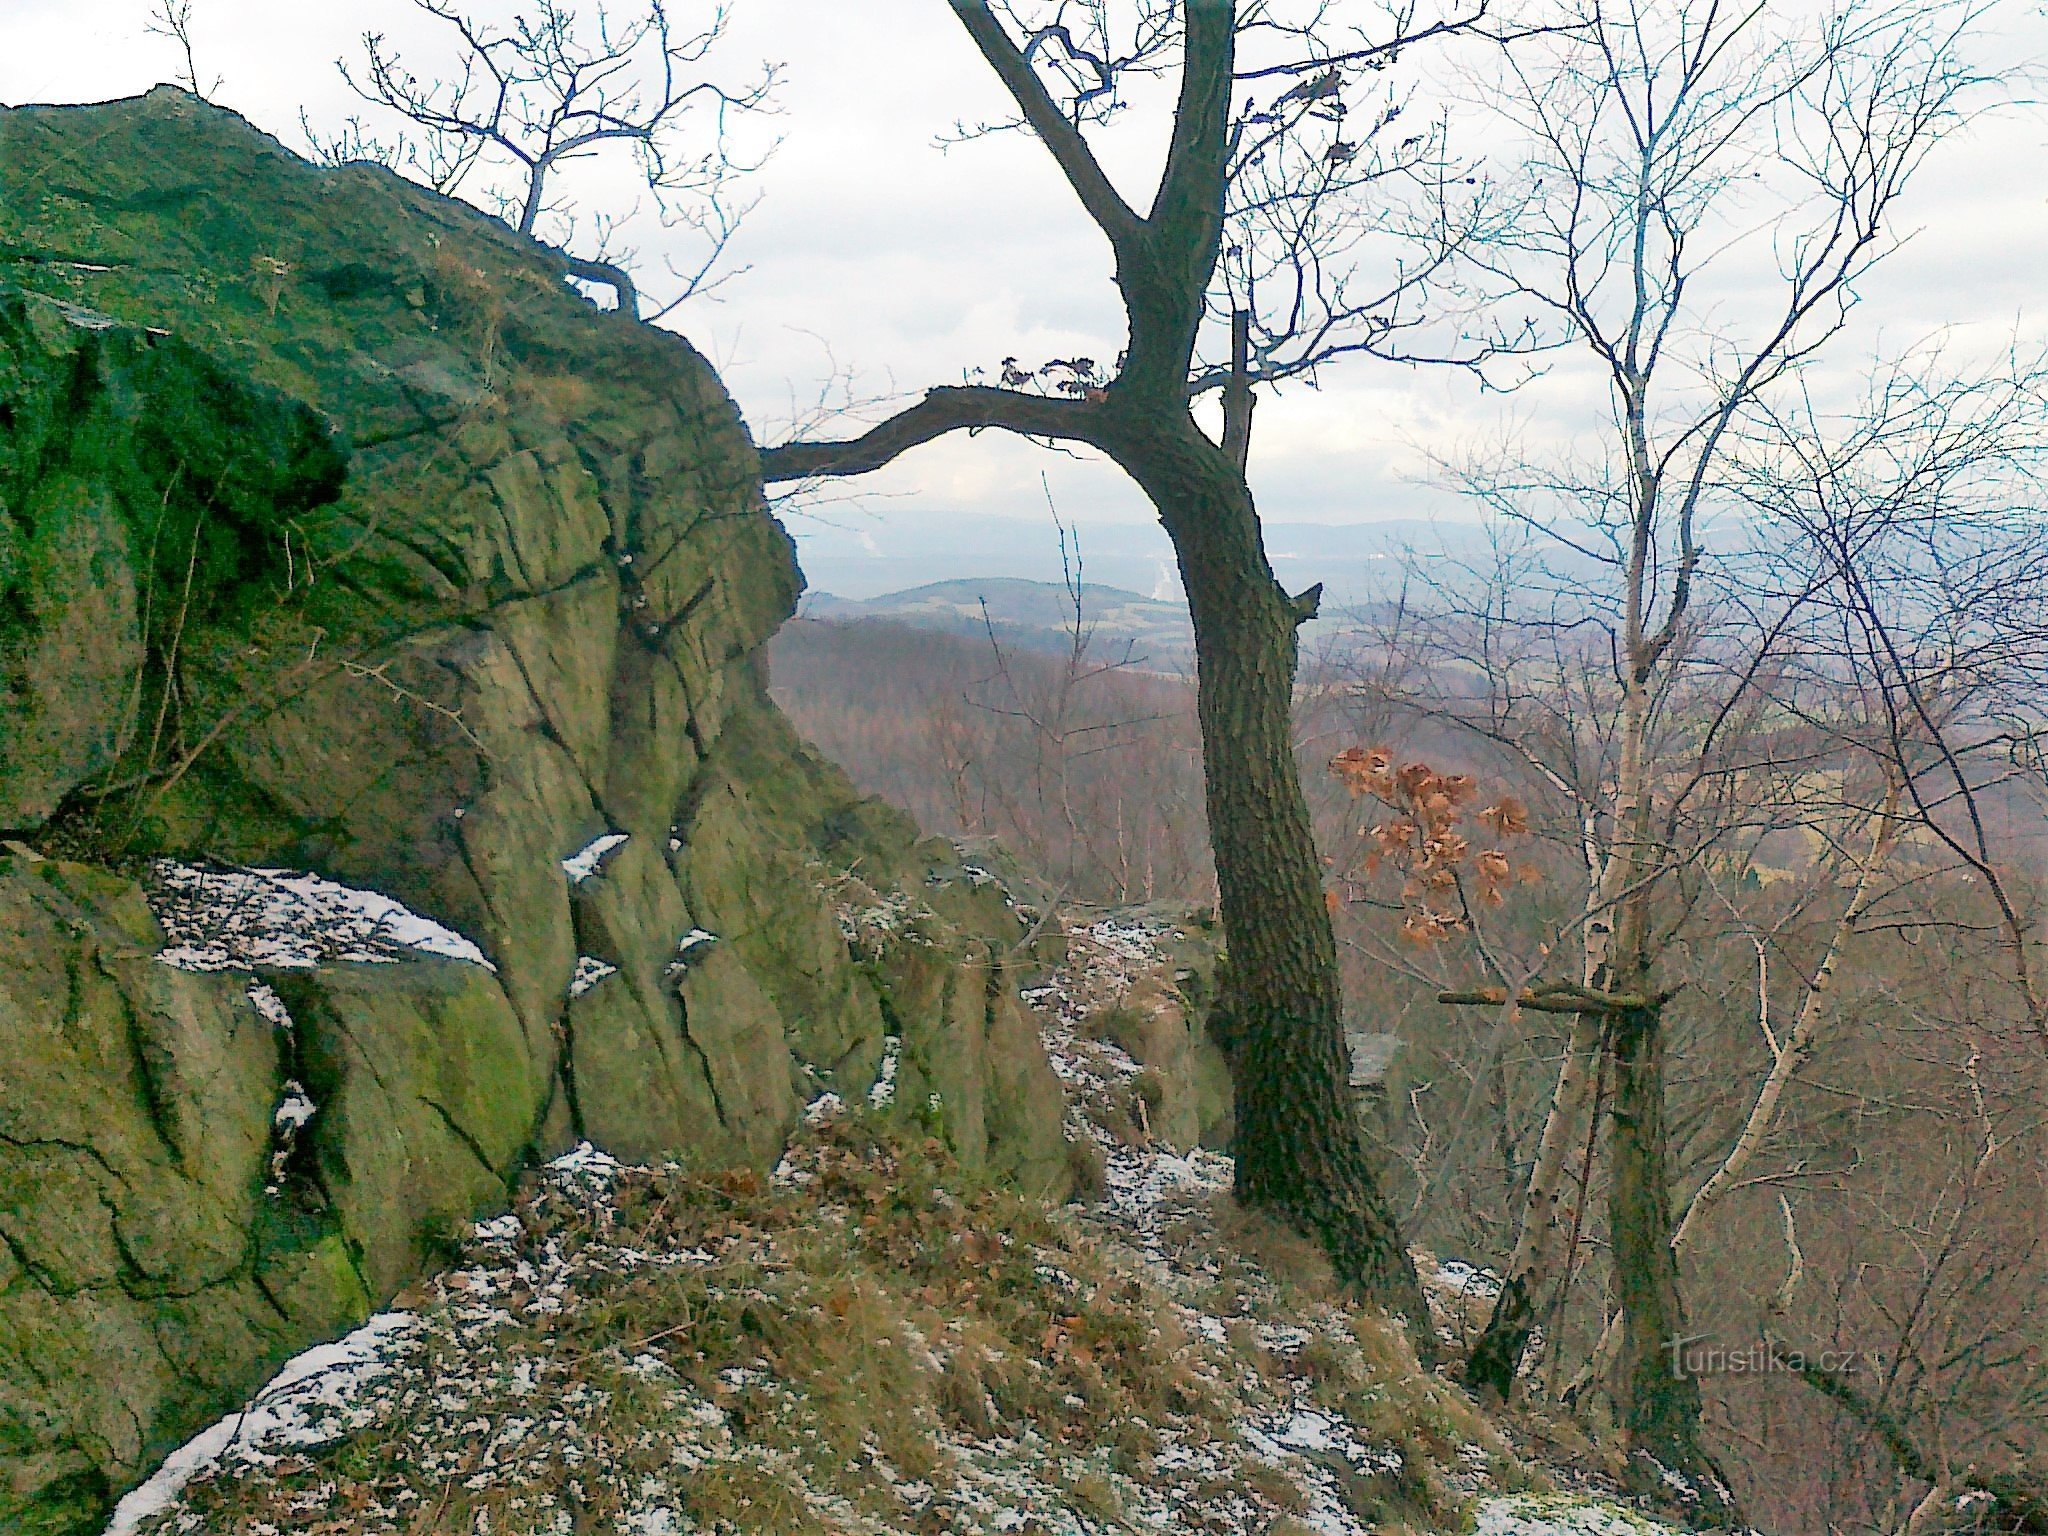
(337, 533)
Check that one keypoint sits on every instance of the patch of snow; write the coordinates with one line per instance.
(1315, 1433)
(587, 860)
(296, 1108)
(1283, 1338)
(293, 1111)
(498, 1229)
(270, 1005)
(696, 938)
(586, 1159)
(299, 1406)
(243, 919)
(1535, 1514)
(589, 972)
(1468, 1279)
(883, 1093)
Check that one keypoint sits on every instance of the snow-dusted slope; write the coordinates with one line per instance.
(865, 1343)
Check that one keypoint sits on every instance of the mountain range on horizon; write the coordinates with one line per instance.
(858, 557)
(1014, 611)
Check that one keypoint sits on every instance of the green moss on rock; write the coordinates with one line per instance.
(337, 532)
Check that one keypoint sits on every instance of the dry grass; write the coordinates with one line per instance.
(851, 1331)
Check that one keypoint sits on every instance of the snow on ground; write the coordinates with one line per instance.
(313, 1399)
(516, 1381)
(246, 919)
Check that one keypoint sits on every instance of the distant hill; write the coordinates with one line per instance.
(1031, 615)
(897, 551)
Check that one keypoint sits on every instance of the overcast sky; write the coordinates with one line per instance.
(875, 249)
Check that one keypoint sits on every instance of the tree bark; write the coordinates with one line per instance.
(1660, 1402)
(1497, 1358)
(1300, 1148)
(1788, 1059)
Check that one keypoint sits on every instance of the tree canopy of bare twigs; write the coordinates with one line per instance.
(1732, 613)
(558, 83)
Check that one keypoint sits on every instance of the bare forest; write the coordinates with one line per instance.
(1692, 840)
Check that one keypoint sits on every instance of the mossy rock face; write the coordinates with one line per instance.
(137, 477)
(144, 1285)
(428, 1100)
(338, 533)
(1161, 1021)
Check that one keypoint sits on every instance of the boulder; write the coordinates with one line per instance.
(338, 533)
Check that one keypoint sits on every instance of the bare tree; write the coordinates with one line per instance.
(557, 84)
(1676, 158)
(1821, 801)
(173, 19)
(1245, 248)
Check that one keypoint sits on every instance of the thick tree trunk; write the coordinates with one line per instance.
(1660, 1402)
(1299, 1145)
(1300, 1148)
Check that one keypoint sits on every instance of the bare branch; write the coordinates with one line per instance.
(552, 87)
(948, 408)
(1070, 151)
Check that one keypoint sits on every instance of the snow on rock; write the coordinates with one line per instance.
(295, 1109)
(313, 1398)
(587, 860)
(1462, 1279)
(883, 1093)
(270, 1005)
(689, 949)
(583, 1158)
(589, 972)
(220, 919)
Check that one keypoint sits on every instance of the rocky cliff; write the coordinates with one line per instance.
(339, 535)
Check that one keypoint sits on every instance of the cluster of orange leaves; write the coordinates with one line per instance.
(1424, 842)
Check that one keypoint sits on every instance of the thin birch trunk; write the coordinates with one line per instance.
(1788, 1060)
(1496, 1359)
